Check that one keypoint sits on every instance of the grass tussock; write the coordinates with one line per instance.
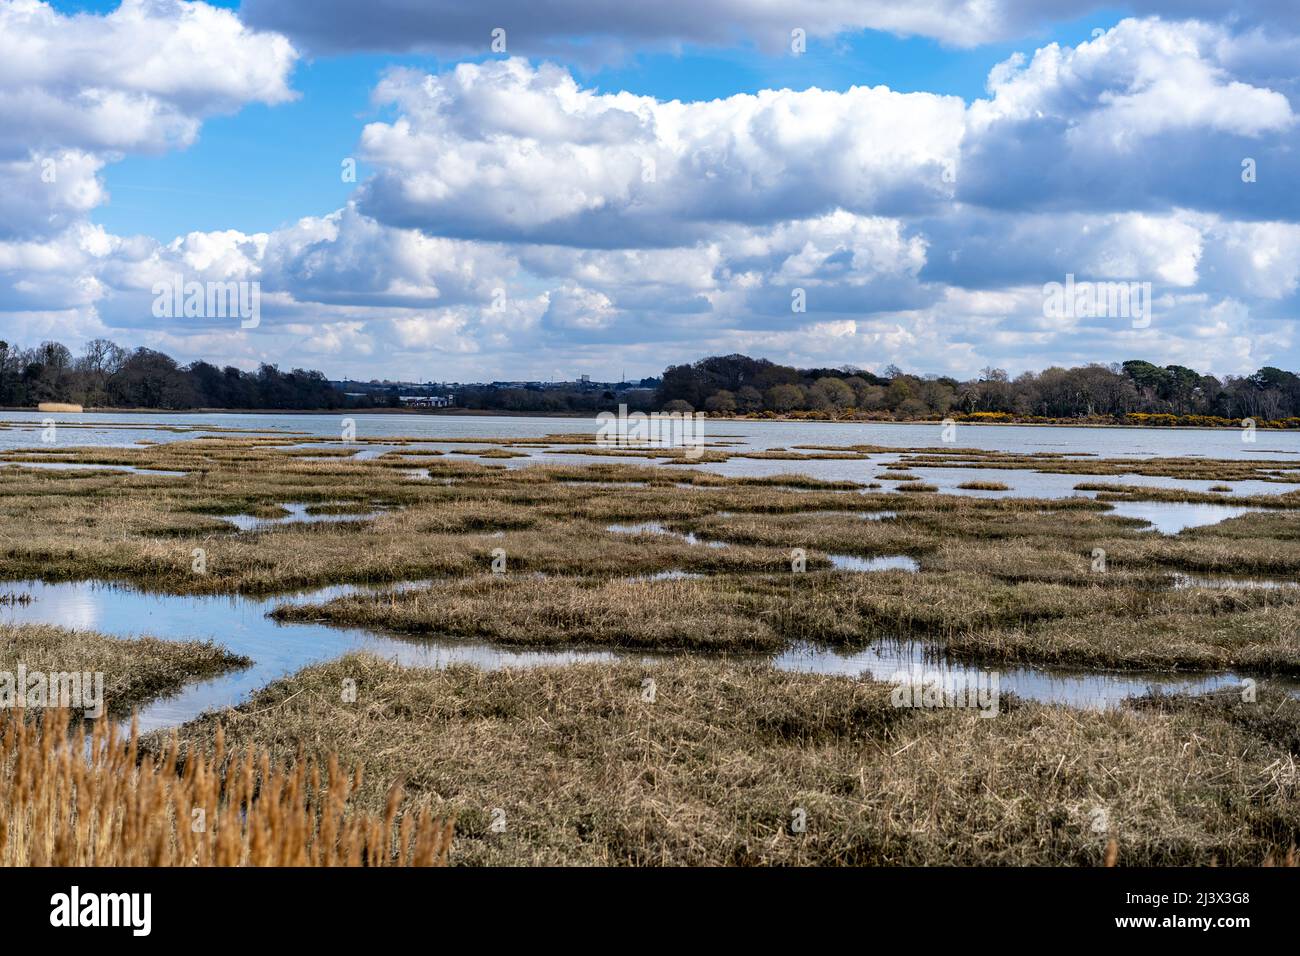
(649, 614)
(135, 671)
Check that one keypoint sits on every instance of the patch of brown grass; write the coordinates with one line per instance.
(135, 671)
(696, 762)
(66, 800)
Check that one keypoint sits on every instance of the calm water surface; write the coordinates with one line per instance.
(756, 435)
(126, 430)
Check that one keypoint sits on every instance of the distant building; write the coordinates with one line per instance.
(427, 401)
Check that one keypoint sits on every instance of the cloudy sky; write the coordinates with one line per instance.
(435, 189)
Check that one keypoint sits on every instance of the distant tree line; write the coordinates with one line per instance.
(107, 375)
(1134, 390)
(564, 398)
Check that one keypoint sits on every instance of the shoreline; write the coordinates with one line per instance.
(568, 416)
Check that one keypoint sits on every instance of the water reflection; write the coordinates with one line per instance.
(278, 650)
(887, 562)
(297, 515)
(1089, 690)
(125, 429)
(1168, 517)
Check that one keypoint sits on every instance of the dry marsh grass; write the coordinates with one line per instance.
(68, 799)
(585, 769)
(1261, 641)
(1116, 492)
(135, 671)
(1194, 468)
(915, 486)
(993, 571)
(648, 614)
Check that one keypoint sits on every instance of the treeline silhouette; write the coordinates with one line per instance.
(105, 374)
(1133, 391)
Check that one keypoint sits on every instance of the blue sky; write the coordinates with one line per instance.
(628, 186)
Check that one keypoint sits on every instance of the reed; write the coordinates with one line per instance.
(68, 799)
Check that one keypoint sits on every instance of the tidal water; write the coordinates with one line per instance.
(279, 649)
